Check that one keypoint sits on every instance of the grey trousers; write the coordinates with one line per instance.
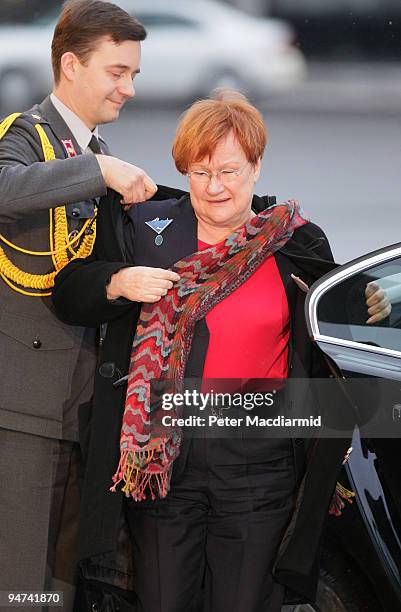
(39, 506)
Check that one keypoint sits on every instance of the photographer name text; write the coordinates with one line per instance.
(247, 421)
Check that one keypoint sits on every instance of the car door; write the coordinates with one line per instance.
(368, 354)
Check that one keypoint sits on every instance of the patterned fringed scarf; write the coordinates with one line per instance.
(163, 341)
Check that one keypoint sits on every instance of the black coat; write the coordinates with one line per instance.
(80, 299)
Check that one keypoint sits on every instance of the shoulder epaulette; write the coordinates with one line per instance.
(33, 118)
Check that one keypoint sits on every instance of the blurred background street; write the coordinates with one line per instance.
(326, 75)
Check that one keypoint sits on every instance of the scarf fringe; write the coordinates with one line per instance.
(341, 495)
(142, 472)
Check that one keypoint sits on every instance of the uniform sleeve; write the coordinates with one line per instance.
(28, 185)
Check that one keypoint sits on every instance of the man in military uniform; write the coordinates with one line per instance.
(53, 170)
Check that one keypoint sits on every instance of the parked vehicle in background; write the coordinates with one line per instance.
(344, 30)
(25, 64)
(192, 47)
(24, 11)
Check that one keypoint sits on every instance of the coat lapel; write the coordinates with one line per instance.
(179, 238)
(306, 261)
(186, 227)
(111, 229)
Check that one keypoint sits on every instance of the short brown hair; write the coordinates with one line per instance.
(207, 121)
(83, 23)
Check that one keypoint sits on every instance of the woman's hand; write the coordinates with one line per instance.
(377, 301)
(141, 284)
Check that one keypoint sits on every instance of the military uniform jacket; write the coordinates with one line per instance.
(306, 254)
(45, 365)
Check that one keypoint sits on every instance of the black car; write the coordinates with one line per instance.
(361, 562)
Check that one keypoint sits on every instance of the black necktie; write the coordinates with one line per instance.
(94, 146)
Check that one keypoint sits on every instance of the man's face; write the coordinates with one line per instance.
(101, 88)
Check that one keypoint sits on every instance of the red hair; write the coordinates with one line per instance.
(206, 122)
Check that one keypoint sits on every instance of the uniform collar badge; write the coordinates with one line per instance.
(69, 147)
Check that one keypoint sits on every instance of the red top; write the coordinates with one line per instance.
(249, 329)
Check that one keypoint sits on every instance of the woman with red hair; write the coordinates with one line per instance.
(225, 515)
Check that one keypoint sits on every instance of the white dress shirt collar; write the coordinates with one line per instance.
(80, 131)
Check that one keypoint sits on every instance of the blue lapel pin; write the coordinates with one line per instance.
(158, 226)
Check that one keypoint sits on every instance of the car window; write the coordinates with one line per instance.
(165, 20)
(342, 311)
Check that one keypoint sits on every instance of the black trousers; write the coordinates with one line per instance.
(218, 529)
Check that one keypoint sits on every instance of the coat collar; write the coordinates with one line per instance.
(55, 121)
(81, 132)
(304, 258)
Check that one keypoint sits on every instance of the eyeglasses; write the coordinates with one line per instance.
(227, 175)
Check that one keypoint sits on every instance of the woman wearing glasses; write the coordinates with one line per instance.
(204, 513)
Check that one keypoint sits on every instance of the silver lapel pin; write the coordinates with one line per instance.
(158, 226)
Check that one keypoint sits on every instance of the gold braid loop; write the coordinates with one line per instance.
(59, 240)
(25, 279)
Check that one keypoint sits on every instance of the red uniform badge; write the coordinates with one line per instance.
(69, 147)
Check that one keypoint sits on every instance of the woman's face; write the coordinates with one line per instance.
(224, 201)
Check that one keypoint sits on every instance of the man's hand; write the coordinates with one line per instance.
(377, 302)
(131, 182)
(141, 284)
